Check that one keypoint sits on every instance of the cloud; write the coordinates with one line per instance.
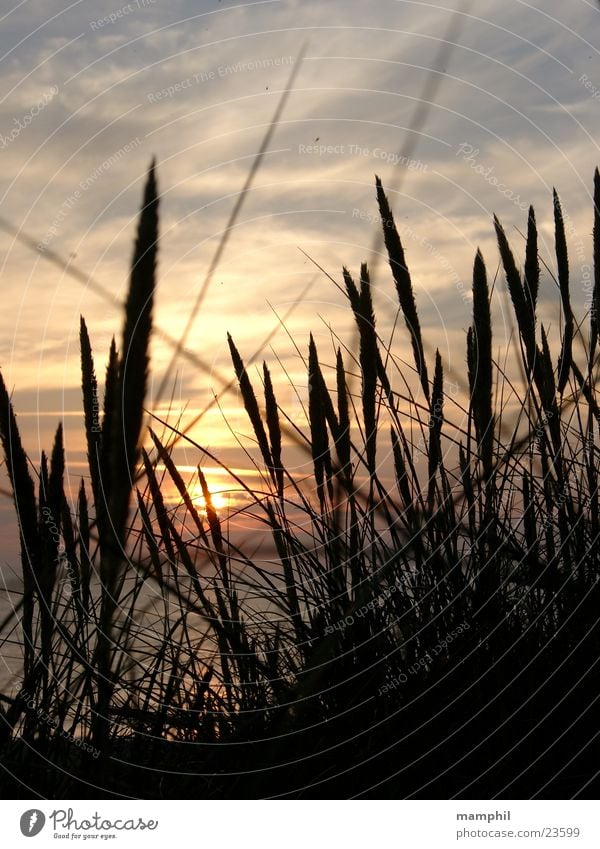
(197, 84)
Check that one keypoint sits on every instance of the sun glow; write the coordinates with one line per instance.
(225, 490)
(218, 496)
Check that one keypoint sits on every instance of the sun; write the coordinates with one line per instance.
(219, 497)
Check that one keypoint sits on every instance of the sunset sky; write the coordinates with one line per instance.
(93, 90)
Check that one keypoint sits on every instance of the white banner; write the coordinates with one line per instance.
(301, 824)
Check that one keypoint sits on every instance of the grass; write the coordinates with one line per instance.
(424, 622)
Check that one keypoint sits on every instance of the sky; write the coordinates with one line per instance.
(464, 110)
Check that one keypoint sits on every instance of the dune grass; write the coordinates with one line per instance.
(425, 624)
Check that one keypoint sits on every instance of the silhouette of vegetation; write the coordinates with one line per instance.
(426, 625)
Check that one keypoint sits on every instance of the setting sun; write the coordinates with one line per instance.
(219, 497)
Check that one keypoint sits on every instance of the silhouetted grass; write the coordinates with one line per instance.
(422, 623)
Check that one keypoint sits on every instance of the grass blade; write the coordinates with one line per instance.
(404, 286)
(566, 354)
(482, 352)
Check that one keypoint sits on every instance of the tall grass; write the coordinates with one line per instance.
(424, 622)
